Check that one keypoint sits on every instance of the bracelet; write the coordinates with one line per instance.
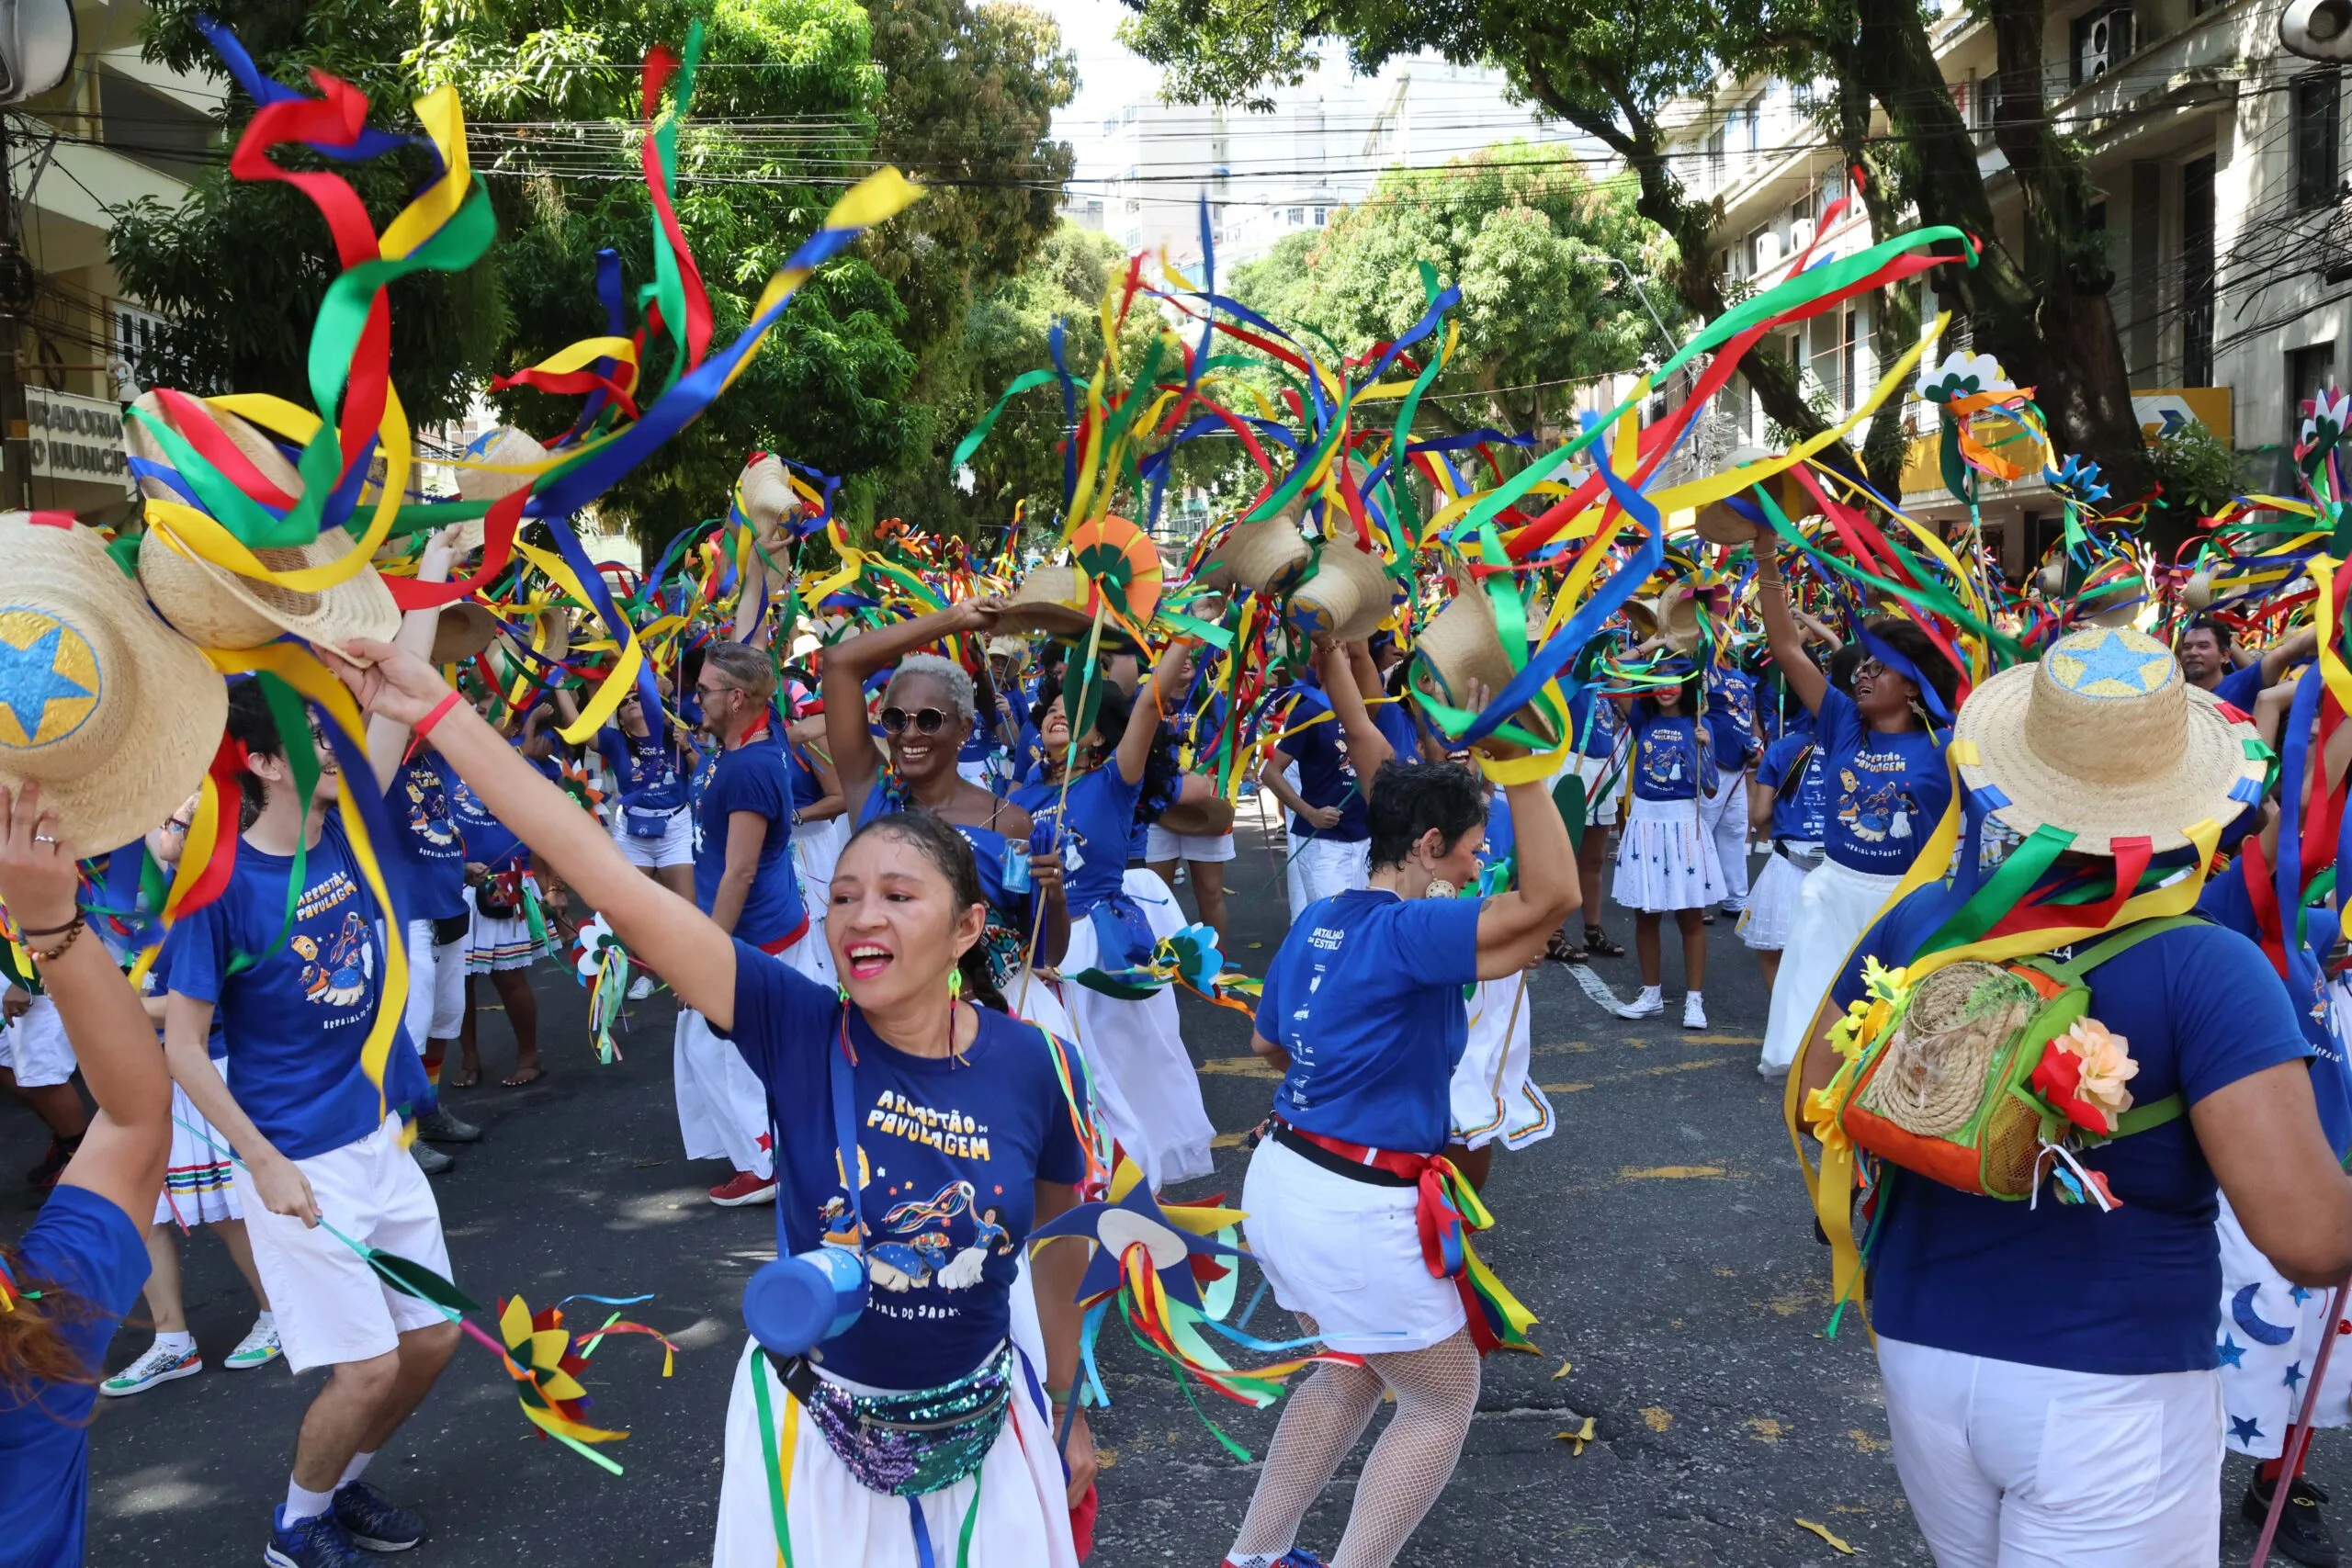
(50, 955)
(50, 930)
(424, 726)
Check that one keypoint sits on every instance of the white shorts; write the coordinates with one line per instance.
(331, 1307)
(1161, 846)
(674, 846)
(1323, 868)
(436, 984)
(1347, 1254)
(2011, 1466)
(34, 1047)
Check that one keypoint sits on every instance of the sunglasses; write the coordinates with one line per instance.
(926, 721)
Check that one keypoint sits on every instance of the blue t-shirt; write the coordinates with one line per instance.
(645, 769)
(295, 1022)
(1091, 824)
(2133, 1291)
(83, 1245)
(2239, 688)
(1800, 808)
(1595, 723)
(431, 849)
(1395, 721)
(1372, 1062)
(1887, 792)
(949, 1151)
(489, 842)
(1666, 756)
(754, 778)
(1731, 717)
(1326, 777)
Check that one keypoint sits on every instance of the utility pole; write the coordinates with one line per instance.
(16, 307)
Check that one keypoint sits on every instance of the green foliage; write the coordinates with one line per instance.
(797, 99)
(1533, 246)
(2198, 471)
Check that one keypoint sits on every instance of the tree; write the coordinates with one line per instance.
(1613, 71)
(1535, 247)
(797, 99)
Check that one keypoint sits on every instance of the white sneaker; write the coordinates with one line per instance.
(1649, 1004)
(259, 1348)
(158, 1365)
(641, 988)
(1694, 1012)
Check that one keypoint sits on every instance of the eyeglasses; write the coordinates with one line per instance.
(707, 692)
(926, 721)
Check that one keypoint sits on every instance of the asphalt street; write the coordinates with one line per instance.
(1661, 1235)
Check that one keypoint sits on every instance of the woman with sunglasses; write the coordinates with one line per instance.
(928, 712)
(1084, 806)
(915, 1057)
(1887, 789)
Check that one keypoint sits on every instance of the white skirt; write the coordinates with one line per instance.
(1665, 860)
(1147, 1095)
(199, 1186)
(2266, 1332)
(1494, 1100)
(1771, 911)
(1024, 1509)
(816, 851)
(1347, 1254)
(1834, 906)
(498, 943)
(1324, 868)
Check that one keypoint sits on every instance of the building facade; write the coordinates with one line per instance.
(2218, 160)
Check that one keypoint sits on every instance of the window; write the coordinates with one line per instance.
(1318, 218)
(1856, 325)
(152, 129)
(1297, 216)
(2317, 131)
(2309, 371)
(134, 333)
(2196, 263)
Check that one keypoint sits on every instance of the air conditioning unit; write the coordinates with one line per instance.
(2106, 43)
(1800, 235)
(1768, 250)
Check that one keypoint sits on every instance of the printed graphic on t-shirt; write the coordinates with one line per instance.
(930, 1238)
(1667, 758)
(1874, 800)
(339, 973)
(428, 806)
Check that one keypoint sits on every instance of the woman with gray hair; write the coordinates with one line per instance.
(928, 711)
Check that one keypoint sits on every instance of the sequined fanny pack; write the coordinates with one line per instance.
(907, 1445)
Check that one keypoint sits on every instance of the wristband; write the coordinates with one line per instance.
(50, 930)
(424, 726)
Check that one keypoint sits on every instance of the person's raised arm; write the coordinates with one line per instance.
(2287, 652)
(122, 1157)
(664, 930)
(1780, 629)
(1513, 927)
(387, 739)
(1165, 689)
(1368, 748)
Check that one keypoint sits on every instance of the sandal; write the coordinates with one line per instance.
(1596, 943)
(1560, 949)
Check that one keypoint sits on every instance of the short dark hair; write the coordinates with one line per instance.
(254, 726)
(2220, 628)
(1410, 798)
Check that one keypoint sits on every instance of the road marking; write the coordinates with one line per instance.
(1240, 1067)
(1596, 987)
(1656, 1418)
(1666, 1172)
(1563, 1088)
(1764, 1429)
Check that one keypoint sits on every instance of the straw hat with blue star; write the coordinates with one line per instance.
(2105, 739)
(111, 712)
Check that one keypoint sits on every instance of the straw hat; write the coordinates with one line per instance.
(555, 627)
(113, 713)
(464, 629)
(2104, 738)
(1462, 644)
(217, 608)
(1345, 597)
(1051, 600)
(504, 448)
(768, 498)
(1675, 616)
(1265, 555)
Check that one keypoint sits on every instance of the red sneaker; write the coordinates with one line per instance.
(742, 1188)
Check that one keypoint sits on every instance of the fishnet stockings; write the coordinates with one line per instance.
(1437, 1392)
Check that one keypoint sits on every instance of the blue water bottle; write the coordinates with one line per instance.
(1016, 865)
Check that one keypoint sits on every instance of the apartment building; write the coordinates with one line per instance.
(2219, 160)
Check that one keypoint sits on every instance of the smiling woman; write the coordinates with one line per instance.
(899, 1073)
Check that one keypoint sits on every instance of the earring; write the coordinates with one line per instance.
(956, 985)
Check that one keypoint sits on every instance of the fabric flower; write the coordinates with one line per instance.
(2082, 1073)
(1821, 1117)
(1963, 374)
(2076, 481)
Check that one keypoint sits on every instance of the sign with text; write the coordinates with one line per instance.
(76, 438)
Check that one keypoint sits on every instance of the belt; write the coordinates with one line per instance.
(1446, 1211)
